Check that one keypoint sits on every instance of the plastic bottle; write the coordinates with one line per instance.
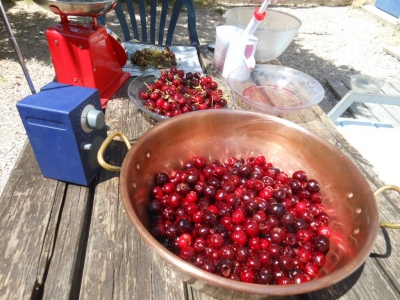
(241, 50)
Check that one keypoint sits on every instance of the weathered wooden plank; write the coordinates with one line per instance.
(118, 264)
(64, 275)
(30, 208)
(389, 89)
(338, 87)
(361, 111)
(396, 85)
(368, 282)
(358, 110)
(197, 295)
(387, 245)
(385, 113)
(393, 110)
(111, 239)
(381, 113)
(166, 283)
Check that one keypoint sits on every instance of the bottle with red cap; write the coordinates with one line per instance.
(241, 50)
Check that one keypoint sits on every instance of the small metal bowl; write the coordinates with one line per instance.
(138, 85)
(365, 84)
(77, 8)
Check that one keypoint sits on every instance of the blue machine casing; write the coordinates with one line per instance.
(53, 122)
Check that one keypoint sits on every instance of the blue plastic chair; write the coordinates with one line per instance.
(179, 4)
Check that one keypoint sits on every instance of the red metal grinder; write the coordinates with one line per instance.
(84, 54)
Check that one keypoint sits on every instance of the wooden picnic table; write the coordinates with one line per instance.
(64, 241)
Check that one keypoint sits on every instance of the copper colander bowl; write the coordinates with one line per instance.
(218, 134)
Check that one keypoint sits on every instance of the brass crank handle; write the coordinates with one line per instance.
(376, 193)
(103, 147)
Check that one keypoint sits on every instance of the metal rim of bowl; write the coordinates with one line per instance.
(68, 8)
(65, 2)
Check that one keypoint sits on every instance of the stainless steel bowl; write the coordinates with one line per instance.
(77, 8)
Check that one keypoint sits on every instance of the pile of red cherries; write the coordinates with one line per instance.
(175, 92)
(242, 219)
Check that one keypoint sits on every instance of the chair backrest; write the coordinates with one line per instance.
(178, 5)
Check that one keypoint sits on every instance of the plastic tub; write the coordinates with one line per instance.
(275, 90)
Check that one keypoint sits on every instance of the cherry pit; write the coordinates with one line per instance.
(174, 93)
(243, 219)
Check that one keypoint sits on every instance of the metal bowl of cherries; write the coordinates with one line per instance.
(168, 93)
(241, 203)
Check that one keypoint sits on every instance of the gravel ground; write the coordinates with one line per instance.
(332, 42)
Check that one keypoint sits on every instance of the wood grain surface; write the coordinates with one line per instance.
(62, 241)
(30, 208)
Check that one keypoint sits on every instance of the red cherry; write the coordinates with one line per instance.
(239, 237)
(245, 225)
(247, 276)
(300, 176)
(311, 270)
(238, 216)
(216, 240)
(191, 197)
(185, 240)
(325, 231)
(144, 95)
(304, 254)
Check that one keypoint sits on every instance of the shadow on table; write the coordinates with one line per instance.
(388, 245)
(337, 290)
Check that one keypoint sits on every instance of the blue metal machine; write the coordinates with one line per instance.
(65, 126)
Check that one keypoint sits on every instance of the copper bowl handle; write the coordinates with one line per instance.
(103, 147)
(376, 193)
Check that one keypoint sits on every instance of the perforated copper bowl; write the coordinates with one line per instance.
(218, 134)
